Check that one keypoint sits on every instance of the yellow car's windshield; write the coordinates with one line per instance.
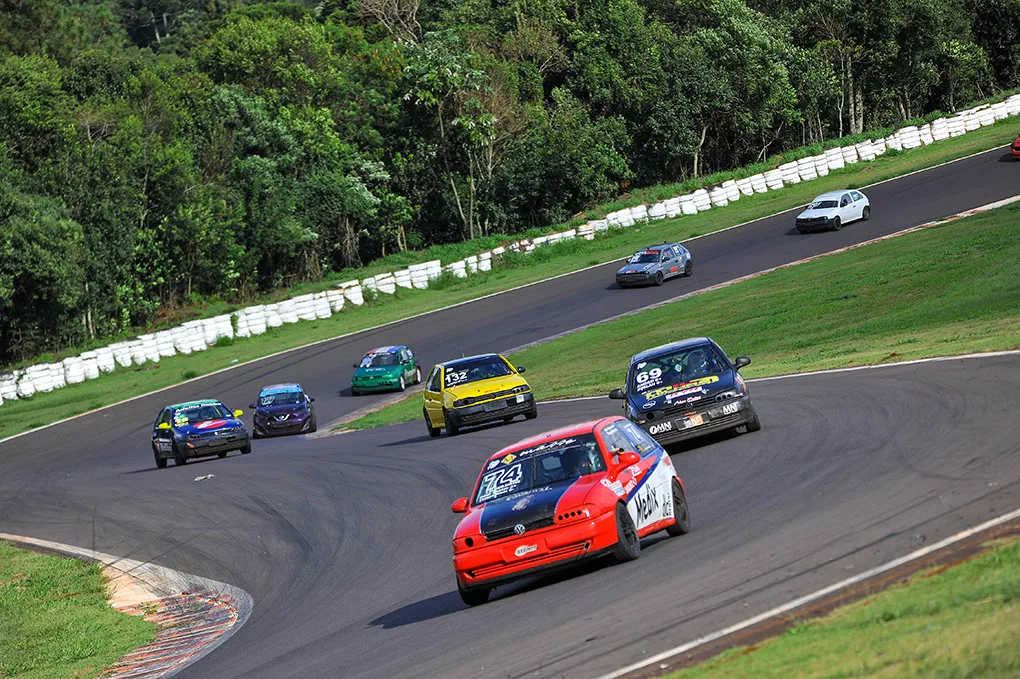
(474, 370)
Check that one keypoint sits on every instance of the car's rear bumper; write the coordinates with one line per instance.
(676, 429)
(490, 411)
(497, 563)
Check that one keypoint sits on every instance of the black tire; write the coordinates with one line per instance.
(452, 428)
(179, 460)
(837, 224)
(628, 545)
(246, 449)
(680, 512)
(401, 385)
(754, 424)
(255, 433)
(801, 230)
(866, 215)
(508, 419)
(533, 413)
(473, 597)
(417, 374)
(688, 268)
(659, 278)
(315, 426)
(221, 455)
(355, 392)
(433, 431)
(160, 461)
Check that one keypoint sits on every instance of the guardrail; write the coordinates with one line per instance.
(198, 335)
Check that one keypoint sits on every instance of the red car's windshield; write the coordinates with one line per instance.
(543, 465)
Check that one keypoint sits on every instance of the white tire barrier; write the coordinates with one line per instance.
(732, 192)
(702, 201)
(419, 276)
(657, 211)
(865, 151)
(957, 125)
(925, 133)
(322, 309)
(718, 197)
(850, 155)
(821, 165)
(305, 306)
(104, 360)
(485, 259)
(40, 377)
(1013, 105)
(354, 295)
(57, 375)
(673, 207)
(74, 370)
(402, 278)
(774, 180)
(940, 129)
(122, 353)
(688, 206)
(165, 343)
(25, 387)
(834, 159)
(972, 121)
(434, 269)
(878, 146)
(745, 186)
(909, 137)
(639, 213)
(791, 175)
(336, 300)
(986, 117)
(273, 318)
(458, 269)
(90, 364)
(9, 386)
(759, 183)
(258, 318)
(806, 169)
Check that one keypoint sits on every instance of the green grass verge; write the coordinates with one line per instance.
(21, 415)
(950, 289)
(962, 622)
(55, 620)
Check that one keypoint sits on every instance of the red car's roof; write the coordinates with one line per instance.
(552, 435)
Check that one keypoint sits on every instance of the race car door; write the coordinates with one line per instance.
(434, 396)
(642, 481)
(670, 266)
(163, 439)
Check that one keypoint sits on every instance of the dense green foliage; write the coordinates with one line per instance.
(156, 152)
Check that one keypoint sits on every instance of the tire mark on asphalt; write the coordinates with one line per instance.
(290, 532)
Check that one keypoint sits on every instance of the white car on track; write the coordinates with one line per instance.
(834, 209)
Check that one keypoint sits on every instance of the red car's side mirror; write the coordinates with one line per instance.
(628, 458)
(459, 506)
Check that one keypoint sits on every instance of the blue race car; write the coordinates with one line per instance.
(655, 264)
(686, 389)
(283, 409)
(197, 429)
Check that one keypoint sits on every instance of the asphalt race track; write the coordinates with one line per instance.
(344, 542)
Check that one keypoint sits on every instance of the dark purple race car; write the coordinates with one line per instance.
(283, 409)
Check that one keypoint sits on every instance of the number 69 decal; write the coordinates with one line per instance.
(654, 374)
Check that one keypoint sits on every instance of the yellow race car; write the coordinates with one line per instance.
(475, 390)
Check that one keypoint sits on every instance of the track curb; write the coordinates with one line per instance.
(194, 614)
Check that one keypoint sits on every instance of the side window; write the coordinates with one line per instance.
(164, 417)
(641, 442)
(614, 440)
(403, 355)
(410, 354)
(856, 195)
(433, 383)
(845, 200)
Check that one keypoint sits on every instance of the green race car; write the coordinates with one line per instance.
(385, 369)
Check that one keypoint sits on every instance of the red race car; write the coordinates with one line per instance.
(1015, 148)
(578, 492)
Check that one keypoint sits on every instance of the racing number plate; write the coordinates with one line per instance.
(693, 421)
(495, 405)
(729, 409)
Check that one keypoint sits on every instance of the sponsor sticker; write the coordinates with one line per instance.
(525, 549)
(211, 424)
(701, 381)
(614, 486)
(509, 458)
(729, 409)
(493, 464)
(660, 428)
(522, 503)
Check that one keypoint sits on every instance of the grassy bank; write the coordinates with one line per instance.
(961, 622)
(55, 620)
(950, 289)
(21, 415)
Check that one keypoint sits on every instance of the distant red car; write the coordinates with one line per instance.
(578, 492)
(1015, 148)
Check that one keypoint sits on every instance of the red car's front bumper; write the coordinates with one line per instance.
(500, 562)
(1015, 152)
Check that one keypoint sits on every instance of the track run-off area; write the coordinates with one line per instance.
(343, 542)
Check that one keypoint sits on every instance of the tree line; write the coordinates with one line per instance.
(155, 153)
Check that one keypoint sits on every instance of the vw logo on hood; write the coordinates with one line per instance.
(519, 529)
